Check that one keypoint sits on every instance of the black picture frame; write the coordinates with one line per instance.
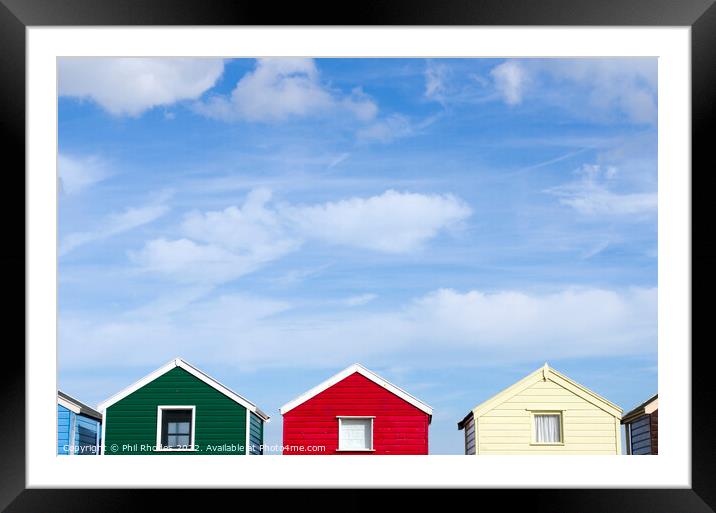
(17, 15)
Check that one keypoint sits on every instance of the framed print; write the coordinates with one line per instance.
(446, 247)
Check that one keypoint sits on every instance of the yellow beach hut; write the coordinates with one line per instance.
(543, 413)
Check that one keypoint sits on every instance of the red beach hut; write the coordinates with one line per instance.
(356, 412)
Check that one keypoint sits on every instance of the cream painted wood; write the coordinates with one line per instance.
(504, 423)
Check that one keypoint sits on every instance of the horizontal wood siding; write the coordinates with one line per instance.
(256, 434)
(132, 421)
(507, 429)
(86, 430)
(63, 429)
(398, 427)
(470, 435)
(654, 428)
(640, 433)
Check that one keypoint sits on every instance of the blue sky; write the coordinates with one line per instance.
(451, 224)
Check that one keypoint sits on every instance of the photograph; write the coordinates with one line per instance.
(357, 256)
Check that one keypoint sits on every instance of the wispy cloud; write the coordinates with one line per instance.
(392, 128)
(359, 300)
(435, 78)
(114, 224)
(77, 173)
(591, 195)
(131, 85)
(510, 78)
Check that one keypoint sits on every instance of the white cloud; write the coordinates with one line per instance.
(628, 86)
(79, 173)
(188, 262)
(592, 195)
(231, 243)
(442, 328)
(510, 78)
(253, 229)
(394, 222)
(557, 325)
(281, 88)
(597, 88)
(114, 224)
(132, 85)
(360, 104)
(219, 326)
(224, 245)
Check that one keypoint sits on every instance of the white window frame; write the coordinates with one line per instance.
(356, 417)
(535, 413)
(160, 409)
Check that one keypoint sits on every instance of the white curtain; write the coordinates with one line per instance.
(355, 434)
(547, 429)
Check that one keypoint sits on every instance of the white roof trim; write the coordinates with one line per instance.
(178, 362)
(652, 406)
(70, 406)
(77, 406)
(356, 367)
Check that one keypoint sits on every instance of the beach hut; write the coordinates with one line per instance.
(179, 409)
(78, 427)
(356, 412)
(641, 427)
(543, 413)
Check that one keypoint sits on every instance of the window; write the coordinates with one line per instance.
(355, 433)
(547, 428)
(175, 430)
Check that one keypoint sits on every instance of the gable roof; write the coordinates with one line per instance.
(372, 376)
(178, 362)
(546, 373)
(647, 407)
(77, 406)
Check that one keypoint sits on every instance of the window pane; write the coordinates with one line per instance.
(355, 434)
(176, 427)
(547, 429)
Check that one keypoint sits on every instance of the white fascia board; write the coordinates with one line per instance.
(651, 407)
(221, 388)
(547, 373)
(70, 406)
(136, 385)
(356, 367)
(178, 362)
(592, 397)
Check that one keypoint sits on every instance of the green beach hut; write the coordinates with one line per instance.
(179, 409)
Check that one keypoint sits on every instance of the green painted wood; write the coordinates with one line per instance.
(131, 423)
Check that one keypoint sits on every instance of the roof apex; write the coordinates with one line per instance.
(365, 372)
(199, 374)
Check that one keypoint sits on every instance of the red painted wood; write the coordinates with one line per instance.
(398, 427)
